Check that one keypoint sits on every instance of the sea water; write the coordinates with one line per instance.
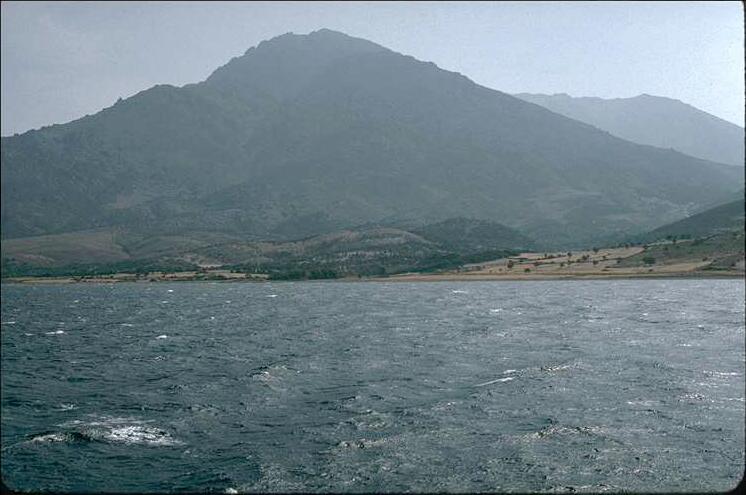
(374, 387)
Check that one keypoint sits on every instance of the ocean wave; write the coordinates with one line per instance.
(128, 431)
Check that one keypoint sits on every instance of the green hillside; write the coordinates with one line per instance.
(726, 217)
(362, 251)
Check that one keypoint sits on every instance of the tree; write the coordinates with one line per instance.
(648, 260)
(595, 249)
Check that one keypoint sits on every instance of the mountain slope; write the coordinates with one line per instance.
(654, 120)
(311, 134)
(723, 218)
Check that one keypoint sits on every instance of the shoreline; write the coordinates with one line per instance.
(410, 277)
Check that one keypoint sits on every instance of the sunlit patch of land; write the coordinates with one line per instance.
(621, 262)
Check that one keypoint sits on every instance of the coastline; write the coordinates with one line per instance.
(409, 277)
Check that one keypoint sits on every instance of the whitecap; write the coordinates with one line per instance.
(506, 379)
(170, 290)
(9, 323)
(459, 291)
(496, 310)
(28, 334)
(67, 407)
(127, 325)
(506, 372)
(50, 437)
(271, 295)
(231, 490)
(56, 332)
(138, 434)
(721, 373)
(162, 337)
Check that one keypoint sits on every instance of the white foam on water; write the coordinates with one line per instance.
(720, 373)
(50, 437)
(162, 337)
(28, 334)
(459, 292)
(138, 434)
(212, 317)
(496, 310)
(506, 379)
(120, 430)
(231, 490)
(506, 372)
(271, 295)
(67, 407)
(56, 332)
(9, 323)
(127, 325)
(170, 290)
(164, 302)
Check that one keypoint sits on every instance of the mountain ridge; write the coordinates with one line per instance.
(268, 150)
(653, 120)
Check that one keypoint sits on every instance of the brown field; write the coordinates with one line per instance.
(548, 266)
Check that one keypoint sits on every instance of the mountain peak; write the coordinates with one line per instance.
(282, 65)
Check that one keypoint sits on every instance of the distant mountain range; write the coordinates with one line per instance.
(654, 120)
(307, 135)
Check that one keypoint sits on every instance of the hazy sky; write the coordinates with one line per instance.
(62, 60)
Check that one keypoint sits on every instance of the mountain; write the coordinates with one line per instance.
(654, 120)
(306, 135)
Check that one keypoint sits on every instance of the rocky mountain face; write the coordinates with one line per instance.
(310, 134)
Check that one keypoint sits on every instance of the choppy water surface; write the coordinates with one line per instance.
(331, 386)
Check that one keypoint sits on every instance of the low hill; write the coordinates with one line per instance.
(726, 217)
(471, 235)
(362, 251)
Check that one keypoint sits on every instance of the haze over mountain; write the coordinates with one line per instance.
(653, 120)
(310, 134)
